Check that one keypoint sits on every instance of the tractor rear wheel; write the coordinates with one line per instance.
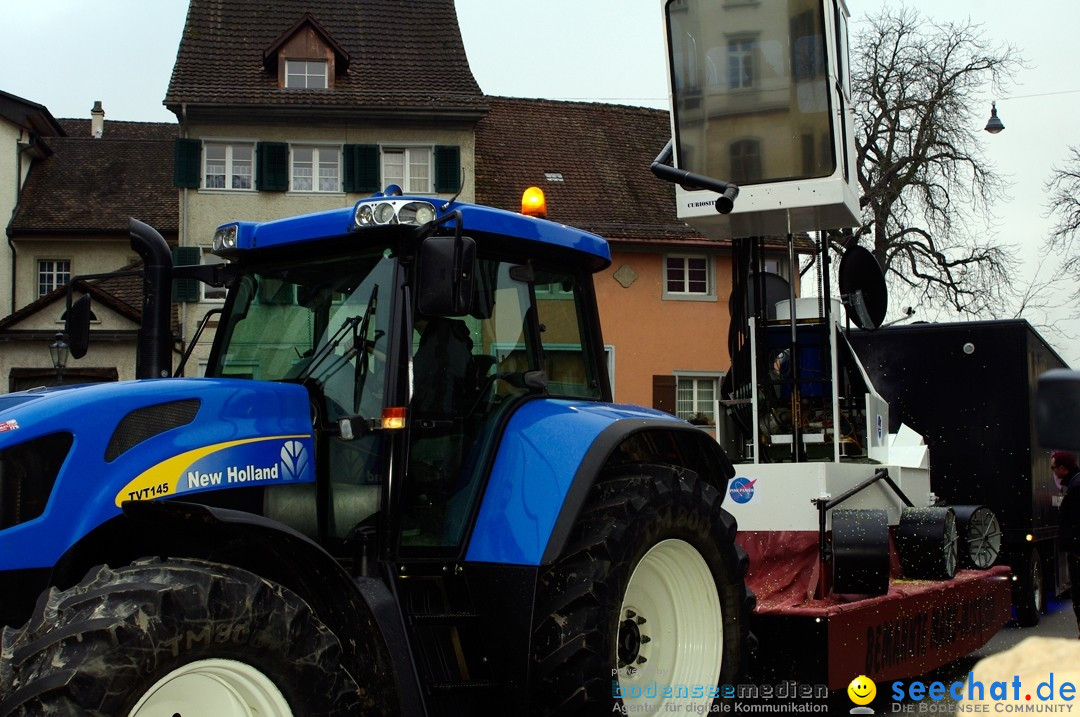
(647, 604)
(161, 638)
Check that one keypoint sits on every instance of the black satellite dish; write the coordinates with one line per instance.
(776, 289)
(862, 288)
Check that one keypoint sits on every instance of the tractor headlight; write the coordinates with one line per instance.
(384, 213)
(225, 237)
(392, 211)
(416, 213)
(364, 215)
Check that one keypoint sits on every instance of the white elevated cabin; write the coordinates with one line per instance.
(762, 99)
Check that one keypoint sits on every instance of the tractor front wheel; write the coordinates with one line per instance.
(161, 638)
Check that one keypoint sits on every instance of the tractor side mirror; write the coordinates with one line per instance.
(77, 326)
(446, 274)
(1057, 409)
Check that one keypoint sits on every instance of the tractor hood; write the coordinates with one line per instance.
(78, 453)
(93, 412)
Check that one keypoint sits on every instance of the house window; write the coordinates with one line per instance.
(211, 293)
(52, 274)
(306, 74)
(688, 276)
(745, 156)
(227, 166)
(408, 167)
(316, 169)
(741, 63)
(776, 266)
(694, 399)
(807, 45)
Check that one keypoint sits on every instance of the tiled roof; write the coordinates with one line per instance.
(115, 129)
(99, 294)
(598, 156)
(601, 155)
(122, 294)
(403, 55)
(25, 113)
(92, 186)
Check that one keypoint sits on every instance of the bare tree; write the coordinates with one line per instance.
(928, 191)
(1063, 203)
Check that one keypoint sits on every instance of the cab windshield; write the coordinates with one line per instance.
(322, 322)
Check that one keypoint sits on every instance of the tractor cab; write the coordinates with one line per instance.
(414, 342)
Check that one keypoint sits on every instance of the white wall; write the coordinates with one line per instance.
(87, 256)
(27, 343)
(9, 184)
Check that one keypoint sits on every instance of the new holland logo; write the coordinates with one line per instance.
(294, 459)
(742, 490)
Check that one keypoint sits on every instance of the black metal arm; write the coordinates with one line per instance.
(728, 191)
(824, 506)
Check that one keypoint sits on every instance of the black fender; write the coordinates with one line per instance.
(270, 549)
(636, 440)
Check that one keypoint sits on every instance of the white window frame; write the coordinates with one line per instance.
(211, 294)
(741, 60)
(317, 150)
(777, 264)
(686, 295)
(57, 276)
(408, 184)
(300, 71)
(698, 377)
(231, 165)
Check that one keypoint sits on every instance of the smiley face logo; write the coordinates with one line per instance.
(862, 690)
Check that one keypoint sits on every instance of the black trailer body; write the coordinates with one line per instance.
(969, 389)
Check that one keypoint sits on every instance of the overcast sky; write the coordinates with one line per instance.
(65, 54)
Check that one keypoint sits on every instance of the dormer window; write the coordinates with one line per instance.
(306, 74)
(306, 57)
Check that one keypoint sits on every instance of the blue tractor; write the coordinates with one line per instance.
(400, 488)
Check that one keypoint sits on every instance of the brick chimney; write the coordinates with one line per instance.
(97, 120)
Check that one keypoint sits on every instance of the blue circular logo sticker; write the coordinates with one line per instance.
(742, 489)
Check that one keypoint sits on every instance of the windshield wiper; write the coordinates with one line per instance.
(362, 361)
(352, 334)
(327, 350)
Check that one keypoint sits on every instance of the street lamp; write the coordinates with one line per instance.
(994, 125)
(58, 351)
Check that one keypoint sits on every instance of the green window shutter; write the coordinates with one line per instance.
(185, 289)
(447, 169)
(273, 169)
(362, 168)
(187, 168)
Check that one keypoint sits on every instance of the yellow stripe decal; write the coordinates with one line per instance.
(161, 480)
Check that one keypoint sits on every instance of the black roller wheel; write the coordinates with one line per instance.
(649, 592)
(860, 551)
(927, 542)
(980, 536)
(1029, 594)
(177, 637)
